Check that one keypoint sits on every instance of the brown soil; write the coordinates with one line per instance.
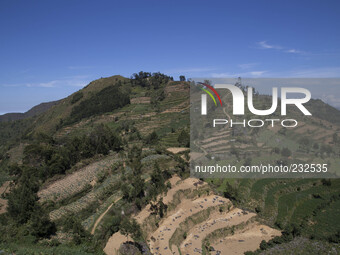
(248, 239)
(114, 243)
(159, 240)
(176, 150)
(3, 202)
(177, 184)
(216, 221)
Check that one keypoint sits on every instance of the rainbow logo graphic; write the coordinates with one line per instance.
(209, 93)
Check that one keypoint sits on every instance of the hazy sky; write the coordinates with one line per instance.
(49, 49)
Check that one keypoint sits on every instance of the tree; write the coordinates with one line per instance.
(326, 182)
(276, 150)
(157, 96)
(162, 208)
(247, 161)
(231, 192)
(335, 138)
(182, 78)
(158, 208)
(234, 151)
(263, 245)
(285, 152)
(41, 226)
(135, 153)
(72, 224)
(184, 138)
(23, 198)
(126, 190)
(130, 227)
(157, 178)
(152, 138)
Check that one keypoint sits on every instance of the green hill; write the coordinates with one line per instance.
(36, 110)
(82, 169)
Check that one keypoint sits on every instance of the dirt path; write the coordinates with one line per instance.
(193, 242)
(248, 239)
(201, 148)
(102, 216)
(225, 112)
(159, 240)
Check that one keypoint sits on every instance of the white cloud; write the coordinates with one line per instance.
(265, 45)
(49, 84)
(295, 51)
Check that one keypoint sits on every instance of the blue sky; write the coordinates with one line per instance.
(49, 49)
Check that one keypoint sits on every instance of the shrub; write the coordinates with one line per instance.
(76, 97)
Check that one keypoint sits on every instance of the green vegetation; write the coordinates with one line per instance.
(106, 100)
(324, 111)
(97, 122)
(49, 157)
(129, 123)
(76, 97)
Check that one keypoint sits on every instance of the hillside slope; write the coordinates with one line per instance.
(36, 110)
(112, 161)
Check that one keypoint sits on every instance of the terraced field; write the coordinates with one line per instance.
(243, 240)
(75, 182)
(216, 221)
(310, 206)
(193, 215)
(87, 199)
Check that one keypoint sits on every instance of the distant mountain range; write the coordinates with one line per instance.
(38, 109)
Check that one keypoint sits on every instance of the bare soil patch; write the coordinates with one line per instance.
(140, 100)
(248, 239)
(176, 150)
(3, 202)
(114, 243)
